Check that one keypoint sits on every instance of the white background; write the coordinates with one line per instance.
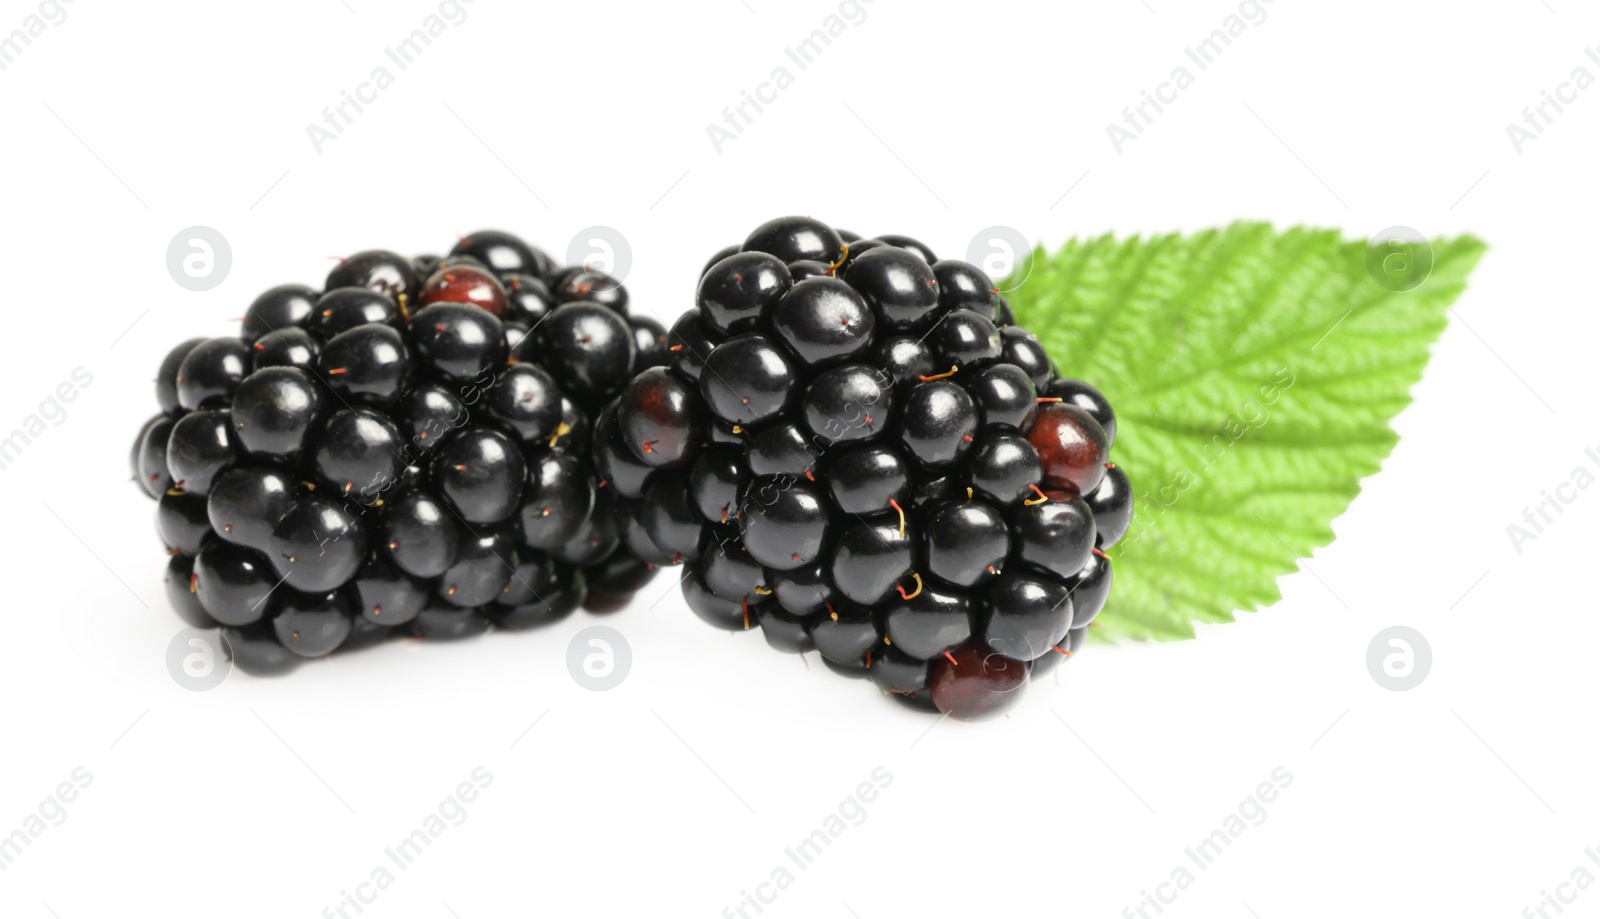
(680, 789)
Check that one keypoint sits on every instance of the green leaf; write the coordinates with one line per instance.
(1254, 374)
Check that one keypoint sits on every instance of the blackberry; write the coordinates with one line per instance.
(854, 449)
(468, 284)
(396, 452)
(344, 308)
(504, 253)
(589, 347)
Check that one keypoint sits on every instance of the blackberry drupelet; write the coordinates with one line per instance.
(405, 449)
(854, 449)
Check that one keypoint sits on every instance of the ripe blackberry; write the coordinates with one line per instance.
(396, 451)
(854, 449)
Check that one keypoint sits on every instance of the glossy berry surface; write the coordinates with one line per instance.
(1086, 397)
(232, 583)
(870, 560)
(975, 682)
(284, 348)
(962, 338)
(167, 375)
(1090, 588)
(286, 306)
(1112, 504)
(784, 523)
(200, 447)
(805, 269)
(527, 400)
(669, 516)
(660, 417)
(365, 364)
(468, 285)
(846, 633)
(822, 319)
(897, 673)
(964, 542)
(898, 285)
(458, 342)
(1021, 349)
(780, 449)
(1055, 535)
(386, 273)
(482, 570)
(649, 343)
(247, 503)
(904, 360)
(318, 545)
(181, 522)
(479, 472)
(387, 596)
(792, 239)
(855, 450)
(615, 461)
(380, 456)
(528, 299)
(557, 501)
(312, 625)
(149, 457)
(939, 422)
(716, 484)
(178, 586)
(586, 346)
(358, 454)
(964, 286)
(210, 372)
(847, 403)
(420, 534)
(1004, 467)
(871, 479)
(1072, 446)
(1005, 395)
(689, 342)
(747, 379)
(911, 245)
(590, 285)
(925, 625)
(344, 308)
(503, 253)
(274, 410)
(1028, 613)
